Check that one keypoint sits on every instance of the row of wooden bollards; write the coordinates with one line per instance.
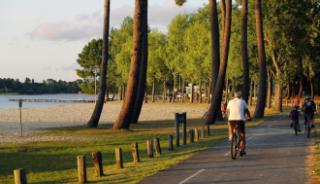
(153, 149)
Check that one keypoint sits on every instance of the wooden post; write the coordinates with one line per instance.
(119, 159)
(150, 149)
(196, 134)
(184, 126)
(20, 176)
(158, 146)
(135, 153)
(191, 136)
(97, 162)
(20, 115)
(82, 169)
(203, 133)
(170, 143)
(177, 124)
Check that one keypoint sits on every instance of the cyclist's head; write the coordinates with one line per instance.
(238, 94)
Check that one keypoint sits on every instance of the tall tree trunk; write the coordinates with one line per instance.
(200, 91)
(173, 88)
(143, 67)
(153, 89)
(217, 93)
(183, 88)
(120, 93)
(288, 91)
(300, 92)
(270, 90)
(95, 117)
(244, 51)
(279, 93)
(215, 56)
(125, 116)
(311, 87)
(251, 93)
(192, 93)
(262, 93)
(227, 92)
(164, 91)
(223, 16)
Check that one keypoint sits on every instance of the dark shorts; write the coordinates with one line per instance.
(240, 123)
(308, 116)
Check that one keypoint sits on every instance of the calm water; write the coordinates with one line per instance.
(6, 104)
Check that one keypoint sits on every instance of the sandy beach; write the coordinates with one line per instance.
(60, 116)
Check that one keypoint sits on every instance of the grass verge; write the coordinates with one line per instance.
(55, 162)
(315, 156)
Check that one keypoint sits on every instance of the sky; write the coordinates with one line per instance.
(41, 39)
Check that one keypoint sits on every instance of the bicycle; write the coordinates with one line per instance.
(235, 142)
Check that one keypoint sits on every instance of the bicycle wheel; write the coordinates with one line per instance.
(308, 127)
(234, 146)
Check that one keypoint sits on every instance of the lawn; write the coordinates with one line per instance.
(55, 162)
(315, 148)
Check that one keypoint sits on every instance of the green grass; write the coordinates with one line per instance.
(55, 162)
(315, 160)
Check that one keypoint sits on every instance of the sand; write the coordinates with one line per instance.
(75, 115)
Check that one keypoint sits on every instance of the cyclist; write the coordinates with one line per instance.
(294, 115)
(237, 108)
(309, 107)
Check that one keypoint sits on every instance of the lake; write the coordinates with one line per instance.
(6, 104)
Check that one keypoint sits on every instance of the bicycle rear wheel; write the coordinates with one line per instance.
(295, 128)
(308, 126)
(234, 146)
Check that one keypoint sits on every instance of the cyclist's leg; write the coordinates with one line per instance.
(231, 126)
(305, 121)
(298, 126)
(311, 121)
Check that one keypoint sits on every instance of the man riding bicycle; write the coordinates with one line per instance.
(236, 110)
(309, 107)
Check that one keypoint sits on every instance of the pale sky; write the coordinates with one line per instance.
(41, 39)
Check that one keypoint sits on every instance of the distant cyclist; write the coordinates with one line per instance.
(309, 107)
(294, 115)
(237, 108)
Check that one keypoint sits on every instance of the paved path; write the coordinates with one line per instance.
(274, 155)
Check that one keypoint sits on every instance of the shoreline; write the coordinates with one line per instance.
(36, 118)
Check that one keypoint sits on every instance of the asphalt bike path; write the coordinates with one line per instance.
(274, 155)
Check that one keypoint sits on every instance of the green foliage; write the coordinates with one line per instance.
(291, 30)
(89, 60)
(180, 2)
(48, 86)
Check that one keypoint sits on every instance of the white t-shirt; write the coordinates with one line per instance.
(236, 108)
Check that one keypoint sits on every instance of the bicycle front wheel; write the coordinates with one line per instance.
(234, 146)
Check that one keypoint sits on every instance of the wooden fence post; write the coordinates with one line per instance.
(196, 134)
(150, 149)
(20, 176)
(170, 142)
(158, 146)
(208, 130)
(97, 162)
(203, 133)
(82, 169)
(119, 159)
(191, 136)
(135, 153)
